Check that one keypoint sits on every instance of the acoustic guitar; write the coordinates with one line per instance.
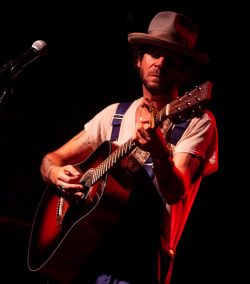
(66, 232)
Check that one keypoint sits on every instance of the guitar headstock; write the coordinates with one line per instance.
(190, 101)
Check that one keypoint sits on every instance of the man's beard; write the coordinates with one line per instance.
(155, 89)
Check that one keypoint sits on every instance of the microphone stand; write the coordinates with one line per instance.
(6, 92)
(6, 80)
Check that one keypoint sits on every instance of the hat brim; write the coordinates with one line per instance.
(142, 38)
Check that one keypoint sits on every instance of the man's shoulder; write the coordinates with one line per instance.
(204, 115)
(208, 114)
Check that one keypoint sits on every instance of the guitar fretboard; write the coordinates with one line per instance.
(109, 162)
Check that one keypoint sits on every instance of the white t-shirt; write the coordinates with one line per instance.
(200, 139)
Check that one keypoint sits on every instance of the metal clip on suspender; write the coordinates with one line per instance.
(177, 131)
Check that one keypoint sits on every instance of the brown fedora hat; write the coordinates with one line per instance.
(171, 30)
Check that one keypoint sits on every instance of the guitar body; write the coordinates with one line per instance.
(65, 234)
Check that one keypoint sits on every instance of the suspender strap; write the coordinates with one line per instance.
(177, 131)
(174, 136)
(117, 119)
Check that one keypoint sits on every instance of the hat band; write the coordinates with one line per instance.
(173, 38)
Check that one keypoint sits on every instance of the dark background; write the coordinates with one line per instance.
(88, 66)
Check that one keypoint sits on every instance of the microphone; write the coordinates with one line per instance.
(14, 67)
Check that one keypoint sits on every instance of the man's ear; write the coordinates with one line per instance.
(138, 63)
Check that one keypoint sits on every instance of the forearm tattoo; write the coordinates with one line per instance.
(85, 139)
